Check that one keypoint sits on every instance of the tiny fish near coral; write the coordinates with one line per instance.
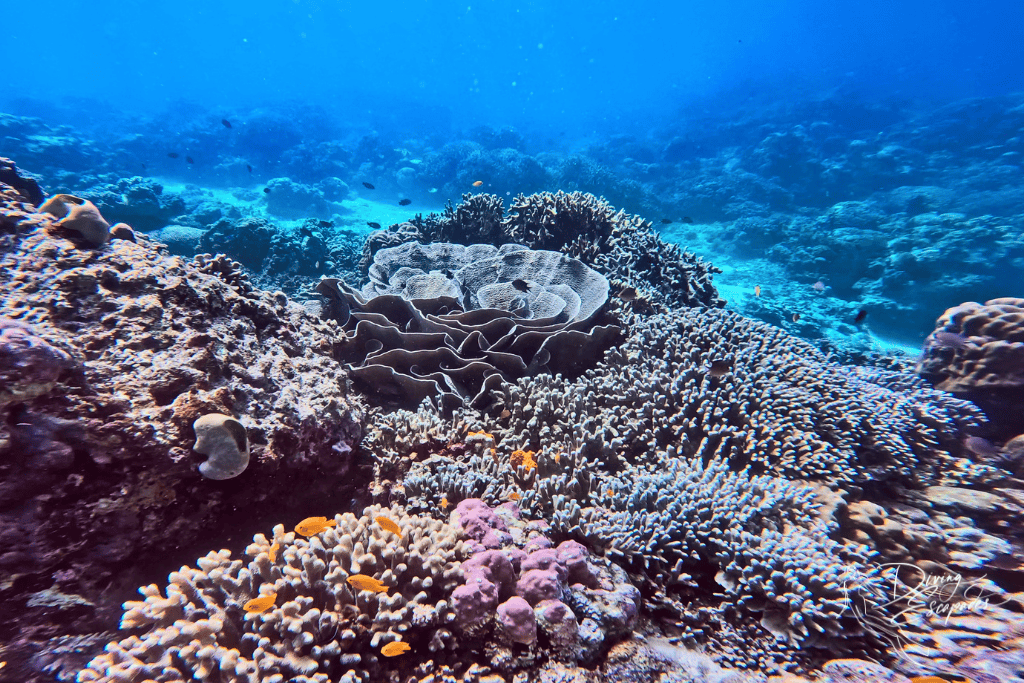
(362, 582)
(395, 649)
(388, 524)
(523, 459)
(260, 604)
(273, 552)
(311, 526)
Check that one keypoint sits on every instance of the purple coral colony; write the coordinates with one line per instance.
(520, 438)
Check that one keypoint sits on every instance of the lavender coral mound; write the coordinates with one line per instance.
(621, 246)
(319, 626)
(537, 599)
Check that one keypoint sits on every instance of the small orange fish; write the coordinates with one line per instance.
(557, 457)
(796, 317)
(444, 503)
(261, 604)
(362, 582)
(311, 526)
(273, 551)
(757, 291)
(608, 492)
(928, 679)
(478, 183)
(514, 496)
(388, 524)
(481, 433)
(395, 649)
(523, 459)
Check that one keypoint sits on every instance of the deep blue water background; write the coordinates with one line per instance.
(873, 147)
(541, 66)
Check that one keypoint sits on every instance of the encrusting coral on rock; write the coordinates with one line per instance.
(108, 355)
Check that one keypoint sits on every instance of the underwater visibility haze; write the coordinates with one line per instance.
(498, 342)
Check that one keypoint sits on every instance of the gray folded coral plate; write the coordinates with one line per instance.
(455, 321)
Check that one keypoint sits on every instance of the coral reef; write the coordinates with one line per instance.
(535, 596)
(976, 346)
(622, 247)
(454, 321)
(334, 603)
(118, 350)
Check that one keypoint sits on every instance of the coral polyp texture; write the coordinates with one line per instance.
(335, 605)
(322, 621)
(780, 406)
(977, 347)
(109, 353)
(623, 247)
(454, 321)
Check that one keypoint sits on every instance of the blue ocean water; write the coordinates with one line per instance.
(851, 169)
(650, 105)
(603, 67)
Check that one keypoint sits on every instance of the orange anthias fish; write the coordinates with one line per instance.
(261, 604)
(757, 290)
(273, 551)
(444, 502)
(362, 582)
(936, 679)
(395, 649)
(478, 183)
(523, 459)
(387, 524)
(311, 526)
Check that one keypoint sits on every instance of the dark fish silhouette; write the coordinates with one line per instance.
(448, 274)
(521, 285)
(687, 220)
(405, 202)
(981, 446)
(719, 367)
(948, 340)
(266, 190)
(375, 226)
(173, 155)
(666, 221)
(863, 313)
(796, 317)
(627, 293)
(368, 186)
(189, 160)
(248, 168)
(227, 124)
(143, 167)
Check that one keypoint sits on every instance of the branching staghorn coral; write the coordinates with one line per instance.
(786, 408)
